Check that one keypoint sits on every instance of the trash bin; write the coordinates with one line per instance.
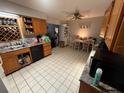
(62, 44)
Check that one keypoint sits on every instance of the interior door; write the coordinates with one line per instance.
(53, 31)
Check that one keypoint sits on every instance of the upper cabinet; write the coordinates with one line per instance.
(114, 23)
(32, 26)
(114, 26)
(26, 27)
(106, 20)
(119, 43)
(40, 26)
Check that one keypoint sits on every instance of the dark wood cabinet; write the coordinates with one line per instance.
(119, 43)
(40, 26)
(86, 88)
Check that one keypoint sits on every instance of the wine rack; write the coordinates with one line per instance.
(9, 30)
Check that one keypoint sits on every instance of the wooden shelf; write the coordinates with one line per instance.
(28, 28)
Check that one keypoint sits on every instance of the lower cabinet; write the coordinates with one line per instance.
(47, 49)
(15, 60)
(10, 63)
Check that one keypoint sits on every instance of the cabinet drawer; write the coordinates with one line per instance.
(47, 48)
(46, 44)
(6, 55)
(17, 52)
(21, 51)
(10, 64)
(46, 53)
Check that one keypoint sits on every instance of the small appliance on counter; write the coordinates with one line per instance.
(39, 38)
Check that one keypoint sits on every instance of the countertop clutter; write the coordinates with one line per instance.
(86, 80)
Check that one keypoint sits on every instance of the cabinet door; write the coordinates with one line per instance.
(40, 26)
(106, 20)
(10, 63)
(44, 26)
(119, 44)
(113, 24)
(47, 49)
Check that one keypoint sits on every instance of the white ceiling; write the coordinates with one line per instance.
(57, 8)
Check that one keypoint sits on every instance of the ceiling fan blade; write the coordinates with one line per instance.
(76, 15)
(79, 18)
(65, 12)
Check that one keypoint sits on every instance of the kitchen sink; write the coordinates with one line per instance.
(11, 48)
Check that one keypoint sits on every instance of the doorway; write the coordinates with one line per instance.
(53, 31)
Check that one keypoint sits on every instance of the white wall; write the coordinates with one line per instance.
(10, 7)
(93, 30)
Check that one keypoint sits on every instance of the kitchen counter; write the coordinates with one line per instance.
(14, 49)
(19, 57)
(85, 77)
(2, 87)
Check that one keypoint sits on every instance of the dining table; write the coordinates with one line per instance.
(83, 44)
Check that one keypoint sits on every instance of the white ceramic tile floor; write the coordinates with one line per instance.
(57, 73)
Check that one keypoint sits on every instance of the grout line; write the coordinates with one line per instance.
(58, 61)
(26, 82)
(15, 83)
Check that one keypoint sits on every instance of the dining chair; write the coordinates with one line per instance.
(77, 45)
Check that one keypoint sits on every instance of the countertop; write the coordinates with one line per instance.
(2, 87)
(15, 49)
(85, 77)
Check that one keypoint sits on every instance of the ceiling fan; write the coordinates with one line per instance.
(76, 15)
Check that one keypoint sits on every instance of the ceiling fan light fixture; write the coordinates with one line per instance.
(76, 15)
